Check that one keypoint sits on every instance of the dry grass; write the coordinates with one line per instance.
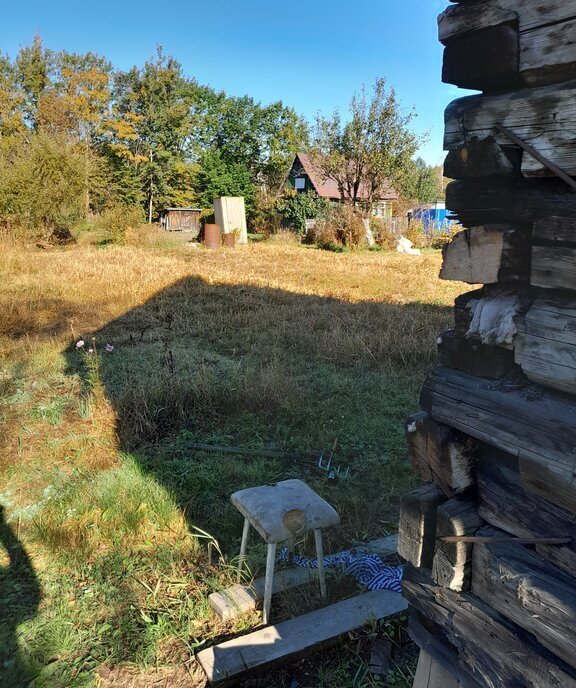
(272, 345)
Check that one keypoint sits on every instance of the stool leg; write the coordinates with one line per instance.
(320, 558)
(270, 561)
(242, 556)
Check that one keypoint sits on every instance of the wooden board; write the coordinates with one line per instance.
(545, 346)
(504, 503)
(441, 454)
(514, 200)
(534, 425)
(417, 527)
(240, 599)
(538, 48)
(452, 560)
(555, 229)
(431, 674)
(542, 117)
(482, 158)
(554, 267)
(529, 591)
(487, 254)
(493, 650)
(472, 357)
(226, 662)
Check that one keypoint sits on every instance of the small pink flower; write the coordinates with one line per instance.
(109, 348)
(90, 350)
(79, 343)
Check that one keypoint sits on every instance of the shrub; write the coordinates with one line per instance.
(383, 234)
(115, 222)
(295, 208)
(343, 226)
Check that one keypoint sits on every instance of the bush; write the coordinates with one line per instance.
(266, 219)
(116, 222)
(383, 235)
(295, 208)
(342, 227)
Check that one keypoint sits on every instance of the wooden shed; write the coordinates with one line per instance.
(180, 220)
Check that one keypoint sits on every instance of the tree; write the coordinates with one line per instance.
(33, 68)
(217, 177)
(424, 182)
(373, 147)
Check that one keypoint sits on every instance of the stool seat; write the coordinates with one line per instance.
(266, 506)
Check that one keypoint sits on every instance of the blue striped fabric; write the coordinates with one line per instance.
(367, 569)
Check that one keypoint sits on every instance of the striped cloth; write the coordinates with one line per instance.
(367, 569)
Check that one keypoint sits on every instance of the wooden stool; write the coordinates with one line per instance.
(279, 513)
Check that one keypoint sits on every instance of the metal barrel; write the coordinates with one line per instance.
(212, 236)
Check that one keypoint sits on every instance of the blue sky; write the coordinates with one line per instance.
(310, 55)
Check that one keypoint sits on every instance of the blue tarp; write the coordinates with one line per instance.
(434, 219)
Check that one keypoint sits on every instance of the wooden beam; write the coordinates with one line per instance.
(441, 454)
(504, 502)
(554, 267)
(487, 254)
(452, 560)
(554, 229)
(227, 662)
(495, 651)
(417, 528)
(472, 357)
(240, 599)
(481, 158)
(513, 200)
(541, 118)
(530, 592)
(536, 426)
(545, 345)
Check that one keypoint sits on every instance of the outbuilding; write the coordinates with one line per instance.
(181, 220)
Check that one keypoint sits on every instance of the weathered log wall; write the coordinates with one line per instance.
(496, 435)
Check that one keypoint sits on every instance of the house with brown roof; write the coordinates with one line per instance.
(304, 176)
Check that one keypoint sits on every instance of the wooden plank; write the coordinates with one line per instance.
(482, 158)
(514, 200)
(441, 454)
(226, 662)
(530, 423)
(495, 651)
(545, 346)
(504, 503)
(487, 254)
(542, 117)
(553, 267)
(530, 592)
(417, 528)
(452, 561)
(430, 674)
(472, 357)
(240, 599)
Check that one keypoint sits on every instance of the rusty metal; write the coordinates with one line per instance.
(212, 236)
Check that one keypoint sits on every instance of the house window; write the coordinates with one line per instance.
(300, 183)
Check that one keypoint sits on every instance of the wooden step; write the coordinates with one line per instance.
(240, 599)
(225, 663)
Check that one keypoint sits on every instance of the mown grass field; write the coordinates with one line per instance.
(108, 512)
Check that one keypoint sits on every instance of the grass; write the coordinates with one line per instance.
(108, 510)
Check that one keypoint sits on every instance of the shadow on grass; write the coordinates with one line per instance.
(268, 369)
(20, 596)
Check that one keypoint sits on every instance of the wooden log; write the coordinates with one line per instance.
(495, 651)
(514, 200)
(487, 254)
(542, 117)
(452, 561)
(482, 158)
(555, 230)
(417, 528)
(504, 503)
(530, 592)
(554, 267)
(441, 454)
(487, 59)
(545, 346)
(473, 357)
(544, 35)
(535, 425)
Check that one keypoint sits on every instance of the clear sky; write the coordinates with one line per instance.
(311, 54)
